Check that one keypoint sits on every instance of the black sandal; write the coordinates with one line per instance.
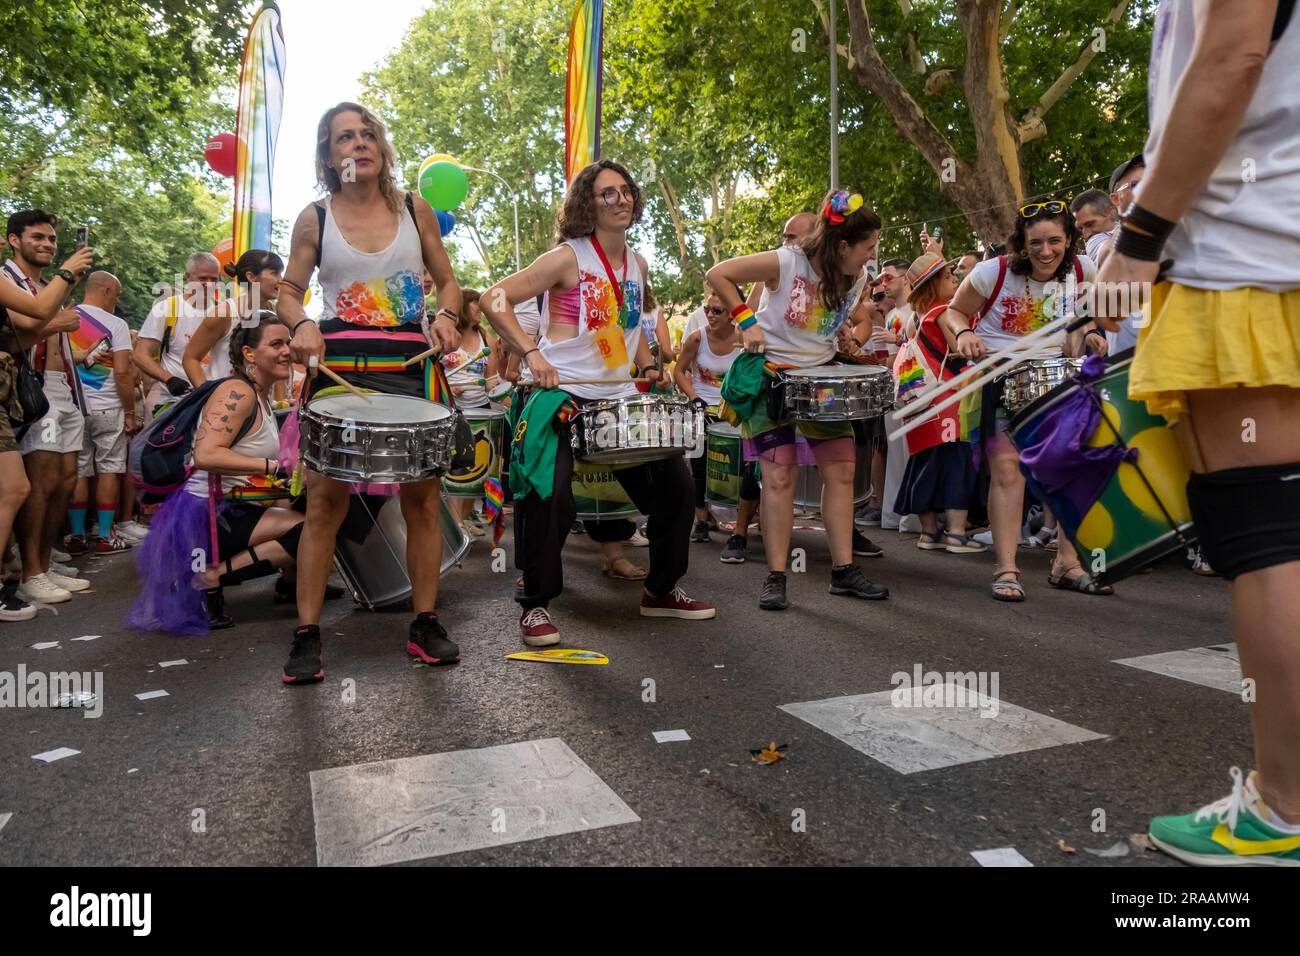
(1084, 583)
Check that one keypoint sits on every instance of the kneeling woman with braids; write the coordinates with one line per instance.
(235, 451)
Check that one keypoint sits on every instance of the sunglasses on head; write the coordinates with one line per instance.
(1052, 206)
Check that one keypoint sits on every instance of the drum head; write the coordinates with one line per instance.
(837, 371)
(376, 408)
(482, 414)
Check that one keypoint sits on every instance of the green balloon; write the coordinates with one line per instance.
(444, 185)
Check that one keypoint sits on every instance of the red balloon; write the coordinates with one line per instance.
(225, 252)
(220, 153)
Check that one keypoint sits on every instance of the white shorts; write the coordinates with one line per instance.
(104, 450)
(62, 427)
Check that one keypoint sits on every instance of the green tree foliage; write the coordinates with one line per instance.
(105, 106)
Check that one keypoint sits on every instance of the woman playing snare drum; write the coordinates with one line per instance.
(999, 301)
(811, 288)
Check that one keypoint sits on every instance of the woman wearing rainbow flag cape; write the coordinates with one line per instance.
(812, 286)
(1220, 357)
(999, 301)
(221, 510)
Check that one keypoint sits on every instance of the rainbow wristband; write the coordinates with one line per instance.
(744, 316)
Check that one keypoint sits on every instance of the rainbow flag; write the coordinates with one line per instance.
(436, 388)
(88, 334)
(582, 91)
(261, 100)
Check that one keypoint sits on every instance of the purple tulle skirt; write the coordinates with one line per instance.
(168, 600)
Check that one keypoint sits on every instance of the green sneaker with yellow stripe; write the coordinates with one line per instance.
(1234, 831)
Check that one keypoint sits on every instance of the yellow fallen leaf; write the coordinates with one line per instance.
(1064, 847)
(769, 754)
(1142, 840)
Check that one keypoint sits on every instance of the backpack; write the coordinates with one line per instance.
(158, 458)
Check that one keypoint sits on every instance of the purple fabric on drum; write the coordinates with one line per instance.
(1053, 454)
(167, 601)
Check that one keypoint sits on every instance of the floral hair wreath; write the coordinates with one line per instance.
(841, 205)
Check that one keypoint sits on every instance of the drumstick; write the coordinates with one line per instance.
(972, 387)
(602, 381)
(1032, 340)
(429, 353)
(335, 377)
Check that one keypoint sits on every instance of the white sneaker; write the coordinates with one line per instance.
(41, 590)
(71, 584)
(57, 555)
(125, 530)
(638, 540)
(67, 570)
(134, 527)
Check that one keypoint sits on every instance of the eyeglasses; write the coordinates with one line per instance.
(709, 311)
(611, 195)
(1053, 207)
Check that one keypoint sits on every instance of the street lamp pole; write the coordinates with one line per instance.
(513, 201)
(835, 101)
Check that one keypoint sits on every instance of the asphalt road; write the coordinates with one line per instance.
(217, 772)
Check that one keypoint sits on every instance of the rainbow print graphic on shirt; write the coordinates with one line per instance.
(95, 377)
(382, 302)
(709, 377)
(1022, 314)
(601, 304)
(806, 312)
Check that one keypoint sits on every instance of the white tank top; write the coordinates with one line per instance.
(372, 288)
(710, 369)
(799, 330)
(263, 441)
(593, 307)
(475, 394)
(1244, 227)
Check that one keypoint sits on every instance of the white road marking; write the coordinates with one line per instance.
(1002, 856)
(52, 755)
(1217, 666)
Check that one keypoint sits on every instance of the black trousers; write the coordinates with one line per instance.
(662, 490)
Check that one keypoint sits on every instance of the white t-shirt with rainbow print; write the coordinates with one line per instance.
(799, 329)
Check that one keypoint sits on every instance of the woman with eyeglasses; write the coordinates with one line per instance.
(999, 301)
(812, 286)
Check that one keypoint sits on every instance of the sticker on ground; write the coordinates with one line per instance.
(1002, 856)
(414, 808)
(152, 695)
(1217, 666)
(52, 755)
(670, 736)
(921, 736)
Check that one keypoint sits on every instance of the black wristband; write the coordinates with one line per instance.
(1137, 246)
(961, 333)
(298, 325)
(1147, 221)
(529, 352)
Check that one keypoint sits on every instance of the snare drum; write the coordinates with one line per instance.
(1142, 514)
(808, 486)
(377, 437)
(630, 431)
(838, 393)
(488, 428)
(1035, 378)
(375, 570)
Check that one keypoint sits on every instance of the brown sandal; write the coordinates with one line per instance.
(621, 569)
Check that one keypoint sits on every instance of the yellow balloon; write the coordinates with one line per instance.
(435, 158)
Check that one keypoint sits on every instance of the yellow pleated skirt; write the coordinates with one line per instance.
(1209, 339)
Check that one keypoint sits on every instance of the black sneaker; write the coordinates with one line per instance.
(849, 580)
(736, 551)
(214, 602)
(429, 642)
(286, 592)
(863, 547)
(700, 533)
(12, 607)
(304, 665)
(773, 597)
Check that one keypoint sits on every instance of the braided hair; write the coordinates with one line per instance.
(248, 332)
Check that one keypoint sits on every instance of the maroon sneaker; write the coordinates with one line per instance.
(111, 545)
(676, 604)
(536, 628)
(75, 544)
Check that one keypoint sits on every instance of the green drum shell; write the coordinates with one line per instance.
(488, 426)
(1126, 530)
(598, 496)
(724, 456)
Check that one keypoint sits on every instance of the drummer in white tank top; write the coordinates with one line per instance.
(591, 329)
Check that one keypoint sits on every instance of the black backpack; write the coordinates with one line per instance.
(158, 459)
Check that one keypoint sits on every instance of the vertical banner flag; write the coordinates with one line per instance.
(261, 100)
(582, 91)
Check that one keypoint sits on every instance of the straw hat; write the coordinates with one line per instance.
(925, 268)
